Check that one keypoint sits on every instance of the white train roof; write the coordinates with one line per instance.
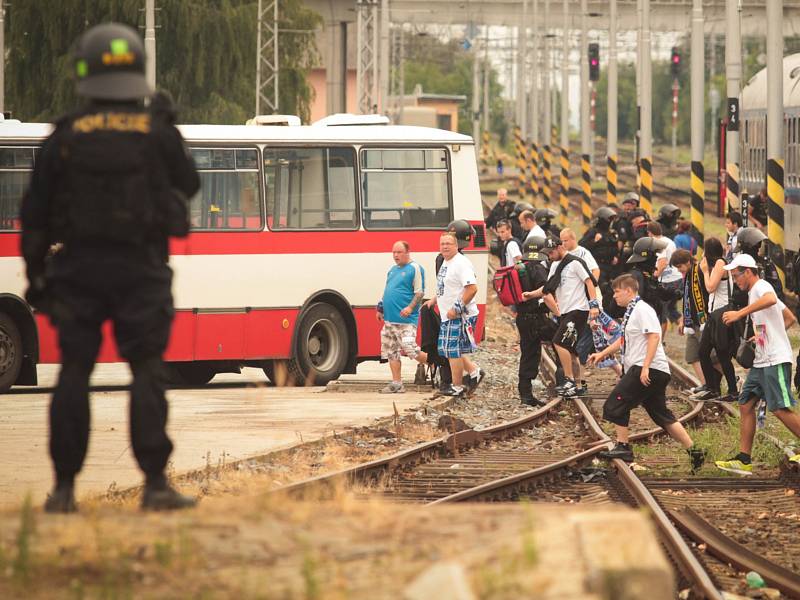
(754, 94)
(12, 129)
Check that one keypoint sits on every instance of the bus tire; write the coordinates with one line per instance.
(321, 347)
(11, 353)
(190, 373)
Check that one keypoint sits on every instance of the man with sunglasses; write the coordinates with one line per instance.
(771, 374)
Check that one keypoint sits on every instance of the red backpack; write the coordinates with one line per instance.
(508, 286)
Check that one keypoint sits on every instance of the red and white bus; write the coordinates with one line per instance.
(291, 241)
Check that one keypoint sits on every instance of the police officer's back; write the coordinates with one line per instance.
(110, 186)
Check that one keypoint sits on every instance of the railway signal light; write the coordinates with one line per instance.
(594, 62)
(675, 62)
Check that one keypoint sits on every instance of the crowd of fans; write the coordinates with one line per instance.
(606, 300)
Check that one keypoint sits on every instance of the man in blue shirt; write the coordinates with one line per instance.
(399, 311)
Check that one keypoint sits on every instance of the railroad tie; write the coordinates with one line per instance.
(698, 197)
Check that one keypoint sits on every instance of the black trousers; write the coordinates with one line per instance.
(532, 331)
(722, 339)
(135, 295)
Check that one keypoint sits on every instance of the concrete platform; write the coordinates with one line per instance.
(206, 425)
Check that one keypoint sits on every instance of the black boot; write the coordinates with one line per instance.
(159, 495)
(61, 500)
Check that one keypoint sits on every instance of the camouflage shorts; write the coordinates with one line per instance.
(398, 339)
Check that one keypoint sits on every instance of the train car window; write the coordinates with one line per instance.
(405, 188)
(311, 188)
(229, 196)
(16, 164)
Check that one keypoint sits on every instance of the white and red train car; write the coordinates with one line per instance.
(291, 239)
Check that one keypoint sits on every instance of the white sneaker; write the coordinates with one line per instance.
(393, 388)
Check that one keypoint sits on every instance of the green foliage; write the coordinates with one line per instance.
(206, 55)
(27, 527)
(445, 68)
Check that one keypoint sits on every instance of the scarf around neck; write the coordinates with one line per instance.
(694, 299)
(628, 311)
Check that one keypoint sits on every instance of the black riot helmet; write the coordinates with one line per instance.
(520, 207)
(605, 213)
(645, 249)
(748, 240)
(110, 63)
(464, 232)
(668, 212)
(535, 248)
(543, 217)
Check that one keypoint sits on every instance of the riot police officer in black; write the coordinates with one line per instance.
(668, 216)
(533, 324)
(544, 219)
(109, 187)
(642, 265)
(602, 241)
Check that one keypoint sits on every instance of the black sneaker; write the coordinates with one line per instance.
(61, 501)
(582, 390)
(621, 451)
(421, 376)
(706, 394)
(451, 390)
(165, 498)
(697, 456)
(532, 401)
(474, 382)
(728, 398)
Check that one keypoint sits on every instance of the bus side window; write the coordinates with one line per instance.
(405, 188)
(311, 188)
(16, 164)
(229, 195)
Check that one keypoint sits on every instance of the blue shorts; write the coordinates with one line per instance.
(452, 342)
(773, 384)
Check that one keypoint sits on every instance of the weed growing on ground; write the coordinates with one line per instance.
(23, 563)
(311, 584)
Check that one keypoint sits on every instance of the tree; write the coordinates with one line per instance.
(205, 55)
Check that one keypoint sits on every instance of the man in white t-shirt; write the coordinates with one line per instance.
(529, 225)
(646, 375)
(771, 375)
(575, 293)
(570, 240)
(511, 252)
(668, 276)
(456, 286)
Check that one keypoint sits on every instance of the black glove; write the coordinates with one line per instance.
(36, 294)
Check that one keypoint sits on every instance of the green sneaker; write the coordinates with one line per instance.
(735, 466)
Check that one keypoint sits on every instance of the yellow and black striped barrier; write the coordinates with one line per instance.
(519, 147)
(533, 176)
(586, 189)
(732, 192)
(548, 178)
(646, 193)
(564, 194)
(611, 179)
(698, 199)
(485, 150)
(775, 194)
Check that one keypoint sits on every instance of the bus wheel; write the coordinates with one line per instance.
(10, 352)
(190, 373)
(322, 346)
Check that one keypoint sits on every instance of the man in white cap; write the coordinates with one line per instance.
(771, 375)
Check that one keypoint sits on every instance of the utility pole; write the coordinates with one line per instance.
(383, 103)
(775, 190)
(697, 85)
(733, 77)
(476, 96)
(647, 112)
(546, 121)
(267, 58)
(149, 42)
(586, 160)
(564, 196)
(486, 72)
(534, 116)
(2, 56)
(639, 51)
(613, 86)
(367, 59)
(521, 62)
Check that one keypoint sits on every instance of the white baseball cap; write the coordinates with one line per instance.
(741, 261)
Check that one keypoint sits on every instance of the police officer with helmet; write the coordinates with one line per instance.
(642, 264)
(109, 187)
(668, 216)
(532, 321)
(544, 219)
